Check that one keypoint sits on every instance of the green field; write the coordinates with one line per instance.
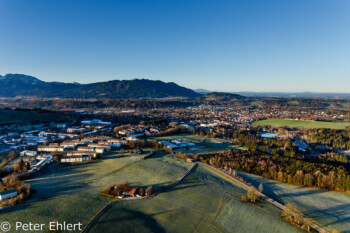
(202, 202)
(256, 102)
(328, 208)
(293, 102)
(302, 124)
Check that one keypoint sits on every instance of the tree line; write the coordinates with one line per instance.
(311, 173)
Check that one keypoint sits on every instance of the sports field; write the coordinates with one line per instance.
(302, 123)
(202, 145)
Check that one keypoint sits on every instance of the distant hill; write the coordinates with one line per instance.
(13, 85)
(220, 96)
(316, 95)
(202, 91)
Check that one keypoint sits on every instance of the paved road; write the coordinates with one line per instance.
(263, 196)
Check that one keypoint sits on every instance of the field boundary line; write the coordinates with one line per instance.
(186, 173)
(93, 219)
(175, 182)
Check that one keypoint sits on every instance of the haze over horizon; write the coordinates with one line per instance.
(233, 46)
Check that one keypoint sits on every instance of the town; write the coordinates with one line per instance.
(174, 116)
(215, 136)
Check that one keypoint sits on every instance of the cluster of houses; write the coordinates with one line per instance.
(34, 145)
(81, 150)
(16, 141)
(19, 141)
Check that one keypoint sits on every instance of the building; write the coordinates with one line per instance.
(46, 134)
(76, 130)
(116, 142)
(129, 191)
(69, 144)
(182, 143)
(74, 153)
(190, 160)
(8, 194)
(89, 140)
(99, 148)
(51, 148)
(28, 153)
(75, 159)
(154, 130)
(61, 126)
(168, 144)
(40, 162)
(96, 122)
(86, 148)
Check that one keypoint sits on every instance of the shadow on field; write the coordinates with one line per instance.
(339, 214)
(183, 185)
(270, 188)
(50, 186)
(187, 182)
(125, 220)
(158, 154)
(317, 204)
(303, 192)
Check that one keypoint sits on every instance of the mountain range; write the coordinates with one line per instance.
(20, 85)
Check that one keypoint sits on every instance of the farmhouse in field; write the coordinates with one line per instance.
(128, 192)
(190, 160)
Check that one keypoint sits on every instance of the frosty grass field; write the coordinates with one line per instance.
(201, 201)
(327, 208)
(70, 193)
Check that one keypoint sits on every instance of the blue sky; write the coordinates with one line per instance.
(233, 45)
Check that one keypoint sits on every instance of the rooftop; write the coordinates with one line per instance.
(8, 191)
